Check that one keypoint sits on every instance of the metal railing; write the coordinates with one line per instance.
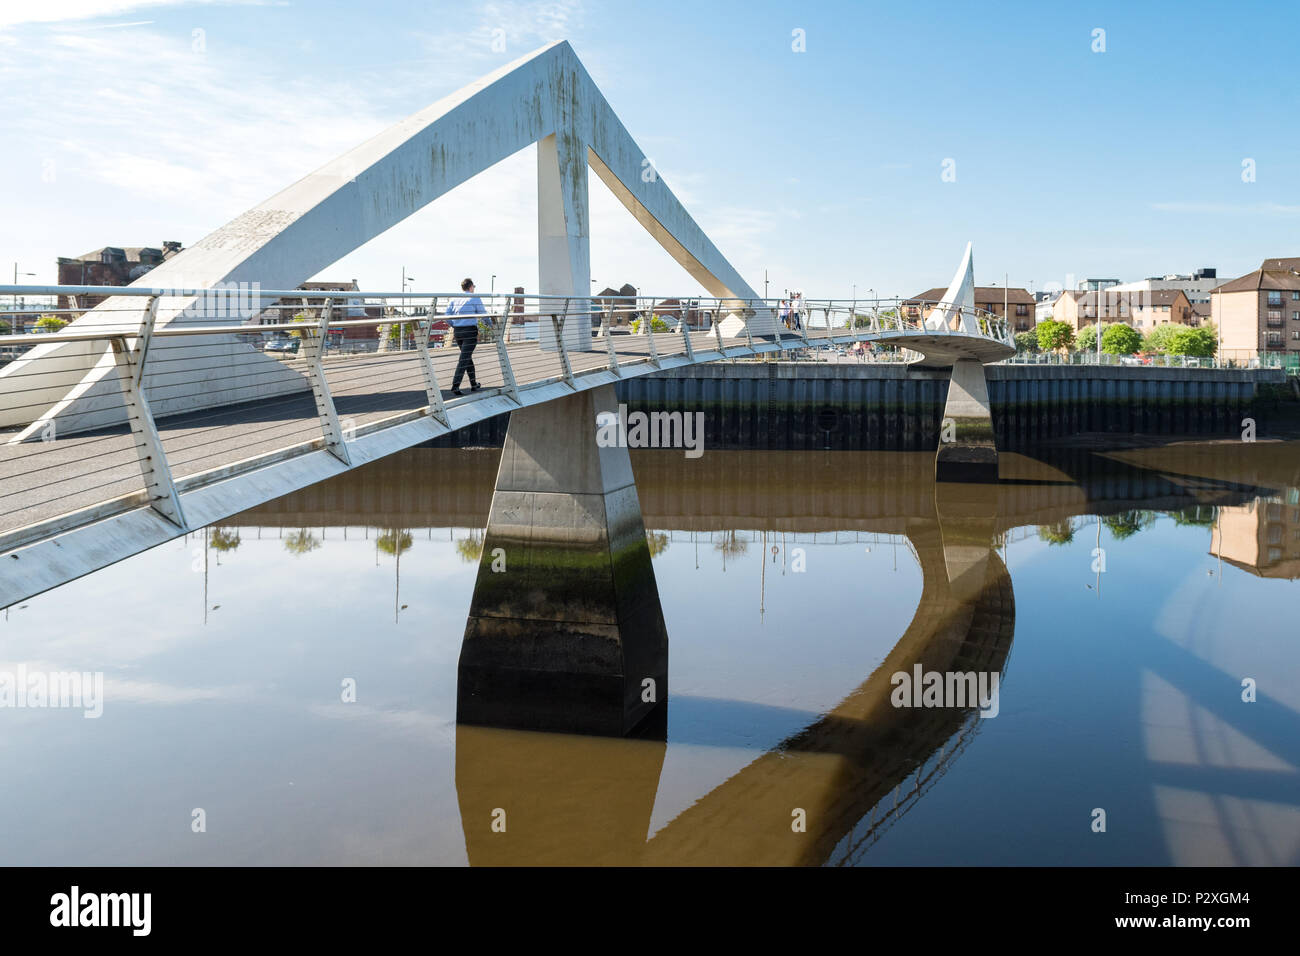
(157, 392)
(1158, 360)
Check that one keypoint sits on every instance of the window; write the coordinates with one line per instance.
(1274, 316)
(1275, 340)
(1295, 296)
(1275, 298)
(1295, 334)
(1295, 316)
(1023, 309)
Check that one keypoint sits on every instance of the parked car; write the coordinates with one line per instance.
(282, 346)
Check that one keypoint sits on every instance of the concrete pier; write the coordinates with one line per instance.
(967, 450)
(565, 630)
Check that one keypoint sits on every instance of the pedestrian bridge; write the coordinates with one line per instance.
(160, 409)
(88, 482)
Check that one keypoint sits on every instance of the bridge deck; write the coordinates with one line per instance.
(46, 479)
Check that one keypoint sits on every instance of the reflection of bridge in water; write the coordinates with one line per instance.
(854, 770)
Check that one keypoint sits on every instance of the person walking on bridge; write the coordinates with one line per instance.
(796, 312)
(463, 313)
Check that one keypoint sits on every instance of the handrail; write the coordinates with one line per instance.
(907, 314)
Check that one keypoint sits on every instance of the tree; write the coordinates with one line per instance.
(1128, 523)
(1202, 516)
(1054, 336)
(1026, 341)
(1201, 343)
(394, 541)
(301, 542)
(50, 323)
(470, 549)
(224, 539)
(5, 327)
(656, 325)
(1120, 339)
(657, 542)
(1086, 340)
(731, 545)
(1062, 532)
(1160, 338)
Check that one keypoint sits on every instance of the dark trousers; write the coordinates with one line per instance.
(466, 337)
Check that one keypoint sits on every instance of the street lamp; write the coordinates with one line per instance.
(17, 301)
(401, 337)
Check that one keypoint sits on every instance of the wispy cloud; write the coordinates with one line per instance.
(146, 134)
(496, 33)
(12, 14)
(167, 123)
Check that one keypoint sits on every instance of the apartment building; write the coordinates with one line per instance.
(1262, 537)
(1143, 310)
(1260, 311)
(1016, 305)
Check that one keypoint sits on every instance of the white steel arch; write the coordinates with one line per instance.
(546, 97)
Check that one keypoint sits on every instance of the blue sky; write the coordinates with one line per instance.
(823, 166)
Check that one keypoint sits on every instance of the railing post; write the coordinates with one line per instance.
(313, 344)
(558, 326)
(749, 335)
(717, 331)
(686, 333)
(609, 340)
(148, 446)
(647, 323)
(437, 408)
(503, 357)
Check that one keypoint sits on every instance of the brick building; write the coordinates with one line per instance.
(110, 265)
(988, 298)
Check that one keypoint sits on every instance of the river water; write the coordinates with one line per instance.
(282, 689)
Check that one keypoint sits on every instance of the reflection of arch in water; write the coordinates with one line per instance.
(841, 768)
(579, 800)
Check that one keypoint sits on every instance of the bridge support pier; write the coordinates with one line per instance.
(967, 449)
(565, 630)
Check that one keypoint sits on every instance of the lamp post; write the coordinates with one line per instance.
(17, 301)
(401, 334)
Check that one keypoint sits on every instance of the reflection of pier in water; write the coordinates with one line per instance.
(839, 770)
(854, 770)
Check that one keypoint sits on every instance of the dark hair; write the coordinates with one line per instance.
(464, 286)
